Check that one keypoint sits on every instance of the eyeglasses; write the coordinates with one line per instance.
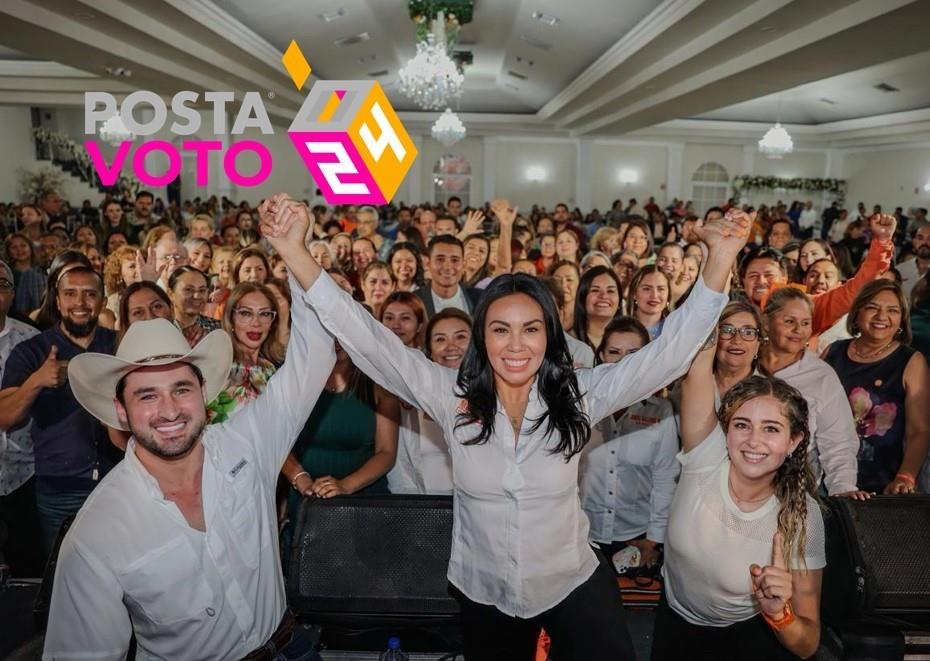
(247, 315)
(748, 333)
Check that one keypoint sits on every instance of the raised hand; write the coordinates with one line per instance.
(772, 584)
(883, 226)
(285, 222)
(729, 232)
(148, 267)
(504, 212)
(473, 222)
(53, 372)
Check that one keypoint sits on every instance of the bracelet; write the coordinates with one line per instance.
(294, 481)
(906, 477)
(783, 622)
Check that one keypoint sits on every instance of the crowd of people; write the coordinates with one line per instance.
(649, 382)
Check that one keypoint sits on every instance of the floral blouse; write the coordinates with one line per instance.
(244, 383)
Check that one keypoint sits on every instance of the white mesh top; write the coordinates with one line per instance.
(711, 544)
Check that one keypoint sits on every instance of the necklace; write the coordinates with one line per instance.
(874, 353)
(737, 498)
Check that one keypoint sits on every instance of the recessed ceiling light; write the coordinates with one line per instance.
(885, 87)
(377, 74)
(366, 58)
(331, 16)
(768, 28)
(548, 19)
(829, 102)
(353, 39)
(541, 45)
(516, 75)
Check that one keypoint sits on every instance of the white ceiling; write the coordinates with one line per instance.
(612, 67)
(498, 37)
(847, 96)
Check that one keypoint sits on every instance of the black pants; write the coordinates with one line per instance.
(674, 638)
(588, 625)
(22, 543)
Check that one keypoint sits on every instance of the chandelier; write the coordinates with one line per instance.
(448, 129)
(776, 142)
(431, 79)
(114, 131)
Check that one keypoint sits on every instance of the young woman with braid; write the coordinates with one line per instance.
(744, 550)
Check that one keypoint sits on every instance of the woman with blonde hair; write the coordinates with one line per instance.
(605, 240)
(745, 545)
(220, 280)
(251, 319)
(119, 271)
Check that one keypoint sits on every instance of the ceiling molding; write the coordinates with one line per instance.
(41, 69)
(658, 21)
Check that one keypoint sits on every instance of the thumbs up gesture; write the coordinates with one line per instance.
(53, 372)
(772, 584)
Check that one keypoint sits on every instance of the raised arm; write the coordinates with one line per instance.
(698, 417)
(916, 425)
(832, 305)
(373, 348)
(505, 217)
(611, 387)
(274, 419)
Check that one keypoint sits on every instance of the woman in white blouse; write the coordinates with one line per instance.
(628, 469)
(784, 354)
(744, 554)
(516, 416)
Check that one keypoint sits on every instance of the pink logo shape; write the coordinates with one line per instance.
(337, 167)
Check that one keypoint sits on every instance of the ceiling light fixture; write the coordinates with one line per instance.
(331, 16)
(448, 129)
(776, 142)
(536, 173)
(114, 131)
(431, 79)
(353, 39)
(548, 19)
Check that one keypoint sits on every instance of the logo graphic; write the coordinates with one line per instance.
(349, 137)
(346, 132)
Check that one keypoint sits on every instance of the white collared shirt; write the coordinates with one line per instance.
(131, 562)
(520, 537)
(834, 445)
(17, 460)
(628, 472)
(423, 464)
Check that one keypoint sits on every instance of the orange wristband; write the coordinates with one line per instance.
(783, 622)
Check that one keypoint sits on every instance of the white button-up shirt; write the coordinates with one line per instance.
(17, 460)
(132, 562)
(423, 464)
(519, 537)
(628, 472)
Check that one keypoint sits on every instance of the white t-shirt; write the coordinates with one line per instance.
(458, 301)
(711, 544)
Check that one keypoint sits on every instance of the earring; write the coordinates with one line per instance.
(898, 332)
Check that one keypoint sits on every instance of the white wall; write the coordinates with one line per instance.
(890, 177)
(18, 148)
(647, 162)
(583, 173)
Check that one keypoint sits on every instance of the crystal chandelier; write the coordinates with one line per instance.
(448, 129)
(114, 131)
(776, 142)
(431, 78)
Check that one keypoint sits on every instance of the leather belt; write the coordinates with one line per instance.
(280, 639)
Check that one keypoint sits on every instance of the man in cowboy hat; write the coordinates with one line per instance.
(179, 542)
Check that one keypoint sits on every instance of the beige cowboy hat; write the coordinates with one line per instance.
(93, 376)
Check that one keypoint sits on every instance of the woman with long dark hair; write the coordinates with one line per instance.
(596, 304)
(517, 415)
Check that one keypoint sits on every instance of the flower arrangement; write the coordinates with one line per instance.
(62, 148)
(743, 182)
(456, 12)
(33, 184)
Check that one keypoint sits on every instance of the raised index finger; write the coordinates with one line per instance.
(778, 557)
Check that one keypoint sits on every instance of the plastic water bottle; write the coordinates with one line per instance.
(394, 652)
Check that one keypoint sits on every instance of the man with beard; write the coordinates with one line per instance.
(141, 219)
(913, 270)
(179, 543)
(72, 452)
